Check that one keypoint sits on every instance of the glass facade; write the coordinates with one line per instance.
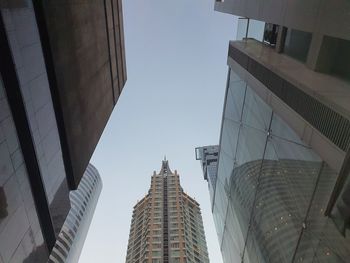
(83, 202)
(24, 39)
(272, 189)
(209, 160)
(21, 239)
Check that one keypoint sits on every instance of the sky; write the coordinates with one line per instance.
(176, 54)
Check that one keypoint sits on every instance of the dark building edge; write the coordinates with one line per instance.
(221, 128)
(16, 104)
(116, 52)
(339, 184)
(45, 44)
(122, 43)
(109, 47)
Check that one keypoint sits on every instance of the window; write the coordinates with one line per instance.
(157, 225)
(156, 232)
(270, 36)
(156, 239)
(156, 254)
(334, 57)
(157, 245)
(175, 245)
(296, 44)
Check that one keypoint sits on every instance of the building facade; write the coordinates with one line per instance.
(166, 225)
(209, 161)
(83, 201)
(282, 187)
(62, 69)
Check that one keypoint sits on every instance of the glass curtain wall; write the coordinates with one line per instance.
(272, 189)
(24, 40)
(21, 239)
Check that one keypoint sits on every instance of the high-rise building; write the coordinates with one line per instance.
(62, 68)
(209, 161)
(282, 186)
(83, 201)
(166, 224)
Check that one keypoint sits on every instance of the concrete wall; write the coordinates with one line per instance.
(88, 77)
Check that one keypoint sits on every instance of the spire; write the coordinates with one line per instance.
(165, 169)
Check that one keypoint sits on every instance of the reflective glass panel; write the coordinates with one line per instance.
(21, 239)
(25, 45)
(276, 188)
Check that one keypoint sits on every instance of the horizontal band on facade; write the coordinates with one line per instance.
(329, 122)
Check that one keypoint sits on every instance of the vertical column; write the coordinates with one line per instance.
(165, 221)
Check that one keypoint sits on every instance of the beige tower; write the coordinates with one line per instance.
(166, 225)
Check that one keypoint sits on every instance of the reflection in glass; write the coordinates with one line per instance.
(297, 44)
(38, 104)
(250, 28)
(275, 186)
(256, 113)
(21, 239)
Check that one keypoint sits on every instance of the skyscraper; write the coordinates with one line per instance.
(209, 161)
(282, 186)
(62, 69)
(166, 224)
(83, 201)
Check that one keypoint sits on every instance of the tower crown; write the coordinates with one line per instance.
(165, 169)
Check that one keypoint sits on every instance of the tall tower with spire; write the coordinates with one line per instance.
(166, 225)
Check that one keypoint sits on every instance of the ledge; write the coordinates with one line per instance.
(322, 100)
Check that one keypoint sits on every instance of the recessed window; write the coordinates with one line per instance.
(270, 34)
(334, 57)
(297, 44)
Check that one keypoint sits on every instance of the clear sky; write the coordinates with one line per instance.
(176, 55)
